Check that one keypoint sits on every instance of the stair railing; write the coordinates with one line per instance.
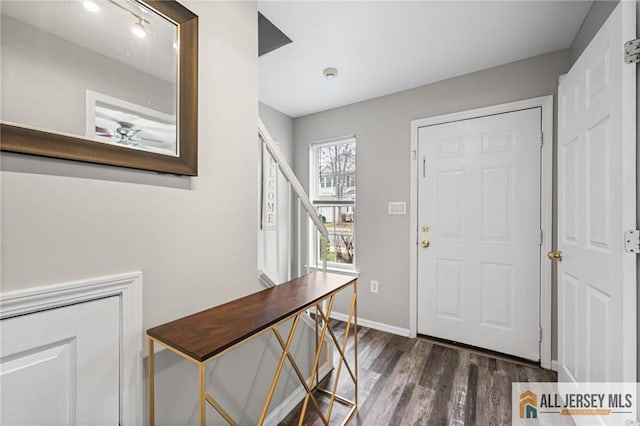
(304, 208)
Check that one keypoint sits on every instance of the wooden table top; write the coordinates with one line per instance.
(205, 334)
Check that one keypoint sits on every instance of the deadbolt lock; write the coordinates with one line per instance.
(425, 229)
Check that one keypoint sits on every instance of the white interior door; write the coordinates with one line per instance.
(61, 366)
(596, 204)
(479, 196)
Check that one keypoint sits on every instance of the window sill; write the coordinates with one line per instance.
(342, 271)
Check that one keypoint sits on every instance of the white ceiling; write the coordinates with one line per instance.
(386, 47)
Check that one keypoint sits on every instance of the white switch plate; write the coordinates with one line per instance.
(397, 208)
(374, 286)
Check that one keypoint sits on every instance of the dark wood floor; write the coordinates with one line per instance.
(406, 381)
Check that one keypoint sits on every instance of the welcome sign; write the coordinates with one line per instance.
(269, 191)
(573, 403)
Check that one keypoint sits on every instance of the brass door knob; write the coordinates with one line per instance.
(425, 243)
(555, 255)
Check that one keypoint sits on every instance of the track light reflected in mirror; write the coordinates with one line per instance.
(91, 6)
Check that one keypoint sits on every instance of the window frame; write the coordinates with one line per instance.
(315, 180)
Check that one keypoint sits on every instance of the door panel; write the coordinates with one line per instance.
(61, 366)
(497, 306)
(479, 194)
(497, 189)
(596, 194)
(23, 376)
(449, 275)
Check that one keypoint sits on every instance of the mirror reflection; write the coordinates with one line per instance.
(104, 70)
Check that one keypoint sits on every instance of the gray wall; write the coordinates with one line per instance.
(382, 129)
(597, 15)
(194, 239)
(45, 78)
(280, 126)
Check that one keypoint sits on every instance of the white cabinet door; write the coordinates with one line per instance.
(479, 195)
(61, 366)
(596, 204)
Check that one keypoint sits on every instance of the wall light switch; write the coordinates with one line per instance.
(374, 286)
(397, 208)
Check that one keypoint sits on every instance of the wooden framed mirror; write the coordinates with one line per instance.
(103, 81)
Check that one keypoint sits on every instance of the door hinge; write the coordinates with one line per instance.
(414, 155)
(541, 237)
(632, 51)
(540, 336)
(541, 139)
(632, 241)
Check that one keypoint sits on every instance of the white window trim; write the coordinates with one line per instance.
(312, 236)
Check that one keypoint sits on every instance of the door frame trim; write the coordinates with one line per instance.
(546, 208)
(128, 287)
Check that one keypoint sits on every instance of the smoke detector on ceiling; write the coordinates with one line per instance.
(330, 73)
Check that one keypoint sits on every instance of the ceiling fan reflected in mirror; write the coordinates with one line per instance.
(135, 131)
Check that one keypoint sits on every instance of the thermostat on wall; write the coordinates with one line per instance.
(397, 207)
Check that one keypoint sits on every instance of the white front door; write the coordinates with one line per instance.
(596, 205)
(479, 209)
(61, 366)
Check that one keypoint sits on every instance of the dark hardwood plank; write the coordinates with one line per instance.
(424, 382)
(472, 392)
(459, 392)
(443, 387)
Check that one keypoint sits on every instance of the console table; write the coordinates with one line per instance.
(207, 335)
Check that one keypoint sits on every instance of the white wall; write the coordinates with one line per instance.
(194, 239)
(382, 130)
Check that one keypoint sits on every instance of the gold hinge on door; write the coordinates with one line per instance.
(632, 51)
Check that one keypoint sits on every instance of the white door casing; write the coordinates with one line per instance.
(596, 205)
(479, 194)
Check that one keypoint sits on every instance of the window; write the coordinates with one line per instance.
(333, 193)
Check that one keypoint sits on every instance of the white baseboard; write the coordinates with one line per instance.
(404, 332)
(287, 406)
(555, 365)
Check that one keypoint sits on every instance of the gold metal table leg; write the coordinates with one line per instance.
(316, 362)
(296, 368)
(150, 368)
(274, 382)
(203, 394)
(355, 336)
